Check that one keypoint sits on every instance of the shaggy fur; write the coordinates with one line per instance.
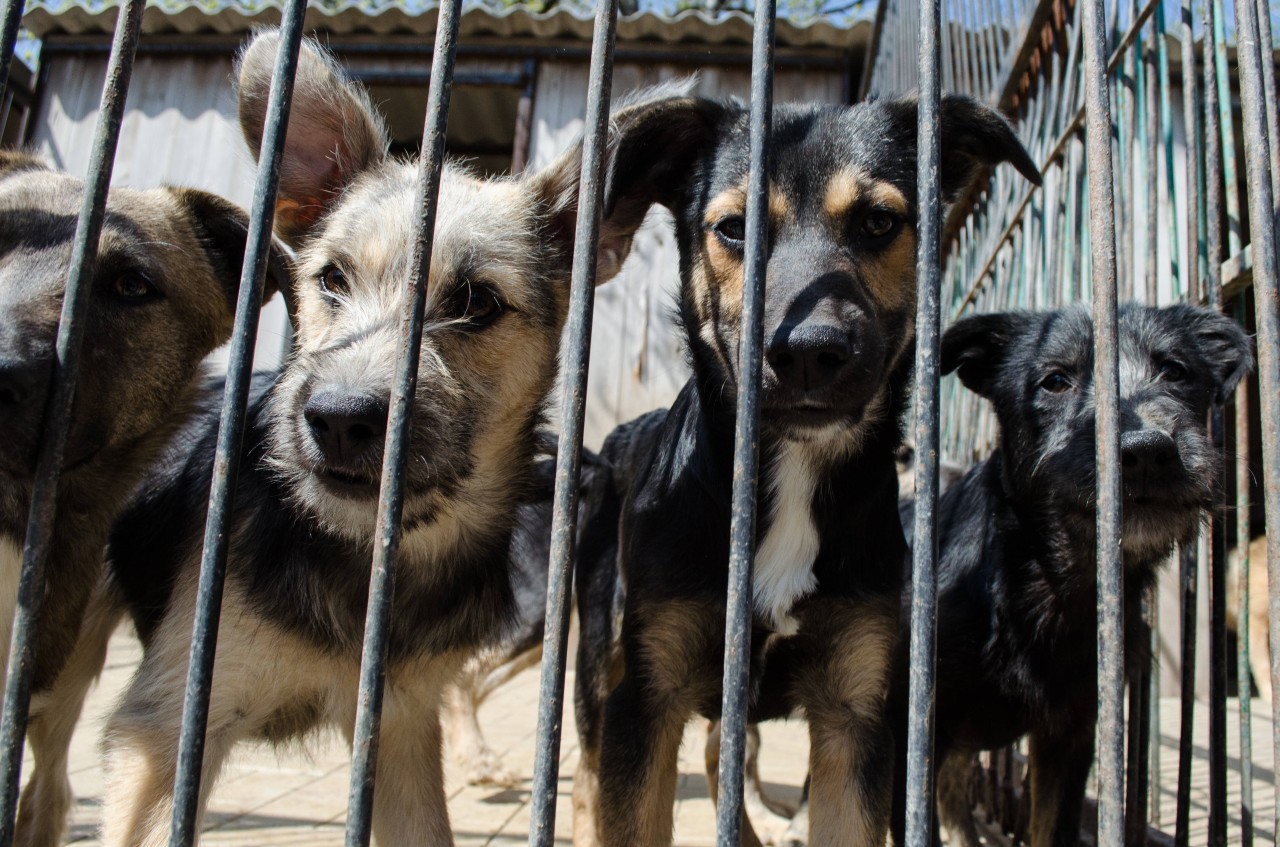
(838, 328)
(163, 296)
(301, 535)
(1017, 620)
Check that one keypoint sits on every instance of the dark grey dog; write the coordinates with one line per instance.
(1017, 636)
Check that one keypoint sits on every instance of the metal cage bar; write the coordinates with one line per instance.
(377, 632)
(57, 411)
(737, 626)
(1102, 237)
(546, 764)
(10, 17)
(226, 463)
(924, 549)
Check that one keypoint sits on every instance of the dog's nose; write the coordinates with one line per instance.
(809, 358)
(17, 384)
(345, 426)
(1146, 451)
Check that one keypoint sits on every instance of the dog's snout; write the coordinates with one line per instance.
(1146, 450)
(809, 358)
(346, 426)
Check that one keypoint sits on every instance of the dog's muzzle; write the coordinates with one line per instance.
(348, 430)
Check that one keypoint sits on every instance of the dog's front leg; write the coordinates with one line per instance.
(671, 663)
(1059, 772)
(142, 754)
(409, 807)
(843, 692)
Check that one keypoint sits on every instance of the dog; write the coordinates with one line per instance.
(1017, 621)
(1259, 616)
(292, 623)
(838, 340)
(163, 295)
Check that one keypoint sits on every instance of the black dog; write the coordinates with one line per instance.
(839, 330)
(1017, 636)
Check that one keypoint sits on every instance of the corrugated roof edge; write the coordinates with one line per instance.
(190, 17)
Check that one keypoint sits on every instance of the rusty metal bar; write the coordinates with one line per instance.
(737, 627)
(226, 463)
(1106, 377)
(377, 627)
(546, 765)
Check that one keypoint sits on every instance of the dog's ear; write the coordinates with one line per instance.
(334, 132)
(975, 348)
(223, 231)
(974, 137)
(653, 143)
(1223, 345)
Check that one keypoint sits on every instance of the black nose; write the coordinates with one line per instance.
(809, 358)
(18, 382)
(1146, 451)
(345, 426)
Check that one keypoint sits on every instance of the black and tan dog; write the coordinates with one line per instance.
(839, 331)
(1017, 621)
(293, 612)
(163, 296)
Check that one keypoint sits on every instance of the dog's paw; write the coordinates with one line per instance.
(486, 768)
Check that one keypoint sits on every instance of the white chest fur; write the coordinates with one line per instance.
(784, 562)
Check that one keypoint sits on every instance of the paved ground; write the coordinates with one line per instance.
(299, 799)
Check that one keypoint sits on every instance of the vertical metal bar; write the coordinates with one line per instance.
(1227, 124)
(1243, 530)
(57, 411)
(377, 629)
(10, 18)
(546, 765)
(1262, 221)
(1214, 158)
(737, 625)
(226, 463)
(1266, 49)
(1188, 579)
(1106, 378)
(924, 551)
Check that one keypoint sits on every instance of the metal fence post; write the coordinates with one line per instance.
(924, 550)
(377, 629)
(546, 765)
(737, 630)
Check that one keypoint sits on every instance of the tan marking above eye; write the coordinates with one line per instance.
(843, 190)
(889, 196)
(733, 201)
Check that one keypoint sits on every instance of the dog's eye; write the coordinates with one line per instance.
(133, 286)
(732, 229)
(1055, 383)
(879, 222)
(334, 281)
(1173, 372)
(477, 304)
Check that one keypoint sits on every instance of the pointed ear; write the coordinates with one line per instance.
(222, 229)
(975, 348)
(334, 133)
(1223, 345)
(653, 143)
(974, 138)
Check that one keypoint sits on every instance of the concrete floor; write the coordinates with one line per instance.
(299, 797)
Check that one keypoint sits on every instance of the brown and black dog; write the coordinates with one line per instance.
(838, 335)
(163, 296)
(293, 611)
